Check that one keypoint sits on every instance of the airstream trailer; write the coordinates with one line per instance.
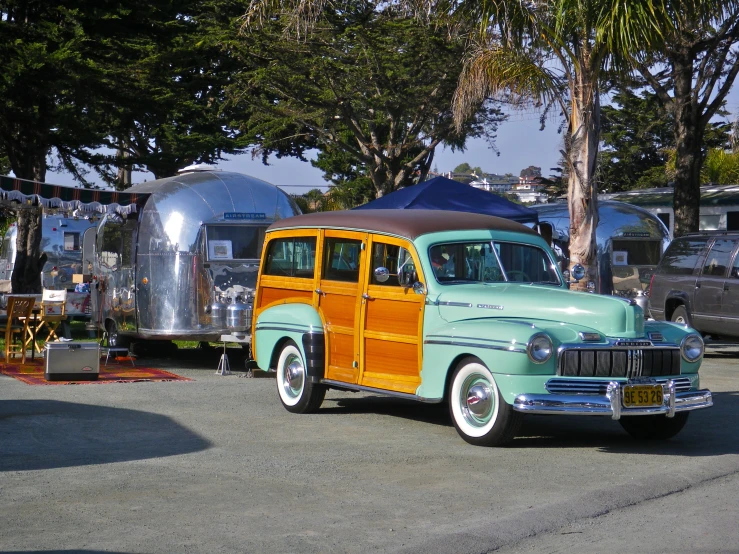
(719, 205)
(630, 242)
(184, 267)
(61, 241)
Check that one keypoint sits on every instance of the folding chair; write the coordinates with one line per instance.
(53, 312)
(19, 315)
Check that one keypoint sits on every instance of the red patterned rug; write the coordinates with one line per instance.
(32, 373)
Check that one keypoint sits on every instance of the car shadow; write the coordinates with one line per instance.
(44, 434)
(435, 414)
(709, 432)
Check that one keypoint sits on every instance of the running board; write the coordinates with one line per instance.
(359, 388)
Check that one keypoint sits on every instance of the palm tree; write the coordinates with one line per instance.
(556, 53)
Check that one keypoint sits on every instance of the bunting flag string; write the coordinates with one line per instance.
(19, 192)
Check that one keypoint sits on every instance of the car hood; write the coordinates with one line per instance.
(608, 315)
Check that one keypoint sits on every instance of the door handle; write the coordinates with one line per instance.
(366, 296)
(320, 292)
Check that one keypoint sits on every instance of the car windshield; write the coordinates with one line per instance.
(492, 262)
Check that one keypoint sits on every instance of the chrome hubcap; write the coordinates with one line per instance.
(293, 376)
(477, 400)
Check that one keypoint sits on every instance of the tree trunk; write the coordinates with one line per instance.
(688, 154)
(582, 193)
(26, 278)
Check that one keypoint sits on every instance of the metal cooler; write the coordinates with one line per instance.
(67, 361)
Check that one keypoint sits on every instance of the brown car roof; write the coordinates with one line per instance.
(404, 223)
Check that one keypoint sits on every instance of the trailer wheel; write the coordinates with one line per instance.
(115, 340)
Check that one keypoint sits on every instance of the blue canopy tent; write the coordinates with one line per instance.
(441, 193)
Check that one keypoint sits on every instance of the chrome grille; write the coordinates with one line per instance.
(614, 362)
(588, 386)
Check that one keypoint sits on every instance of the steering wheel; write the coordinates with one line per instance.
(491, 275)
(523, 277)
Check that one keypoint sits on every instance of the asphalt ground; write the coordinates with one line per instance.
(218, 465)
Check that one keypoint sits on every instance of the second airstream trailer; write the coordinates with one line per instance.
(185, 266)
(61, 242)
(630, 242)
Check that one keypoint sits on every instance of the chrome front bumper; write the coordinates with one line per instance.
(610, 403)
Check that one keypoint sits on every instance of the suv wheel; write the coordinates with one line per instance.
(680, 315)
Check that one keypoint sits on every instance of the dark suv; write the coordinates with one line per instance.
(697, 283)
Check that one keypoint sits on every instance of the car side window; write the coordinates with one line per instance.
(718, 258)
(291, 257)
(682, 255)
(390, 257)
(341, 259)
(735, 268)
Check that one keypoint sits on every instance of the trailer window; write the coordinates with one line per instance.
(639, 252)
(234, 242)
(71, 241)
(117, 247)
(291, 257)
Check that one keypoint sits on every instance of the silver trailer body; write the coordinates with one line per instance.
(196, 243)
(61, 241)
(630, 242)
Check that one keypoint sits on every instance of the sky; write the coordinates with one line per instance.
(520, 142)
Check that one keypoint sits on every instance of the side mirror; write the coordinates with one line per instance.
(419, 288)
(382, 274)
(407, 274)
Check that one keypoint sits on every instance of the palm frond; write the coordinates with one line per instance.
(494, 71)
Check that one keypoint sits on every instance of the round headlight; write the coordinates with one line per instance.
(692, 347)
(540, 348)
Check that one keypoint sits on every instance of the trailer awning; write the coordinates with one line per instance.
(16, 193)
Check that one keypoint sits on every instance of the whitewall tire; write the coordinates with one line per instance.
(297, 393)
(478, 410)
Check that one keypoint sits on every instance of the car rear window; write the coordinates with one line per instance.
(682, 255)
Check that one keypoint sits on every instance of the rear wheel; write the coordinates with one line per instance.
(681, 316)
(478, 410)
(297, 393)
(657, 427)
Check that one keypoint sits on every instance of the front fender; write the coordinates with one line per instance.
(297, 322)
(500, 344)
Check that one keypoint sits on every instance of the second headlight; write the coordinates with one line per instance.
(540, 348)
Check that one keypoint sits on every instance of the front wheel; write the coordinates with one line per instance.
(656, 427)
(297, 393)
(681, 316)
(478, 410)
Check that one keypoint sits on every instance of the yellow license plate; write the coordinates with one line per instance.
(642, 396)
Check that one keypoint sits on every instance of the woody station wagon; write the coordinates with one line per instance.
(466, 309)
